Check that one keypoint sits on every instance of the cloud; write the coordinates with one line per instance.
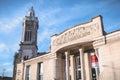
(8, 24)
(48, 17)
(2, 47)
(8, 50)
(6, 64)
(46, 34)
(57, 15)
(11, 22)
(15, 47)
(4, 50)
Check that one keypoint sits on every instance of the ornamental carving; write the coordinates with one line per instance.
(75, 33)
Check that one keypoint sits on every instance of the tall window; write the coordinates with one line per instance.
(78, 66)
(27, 73)
(28, 35)
(40, 71)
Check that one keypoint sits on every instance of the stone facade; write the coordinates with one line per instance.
(83, 52)
(109, 52)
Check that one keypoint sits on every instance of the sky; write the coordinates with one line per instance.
(54, 17)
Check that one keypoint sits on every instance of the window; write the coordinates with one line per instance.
(28, 35)
(78, 66)
(27, 73)
(40, 71)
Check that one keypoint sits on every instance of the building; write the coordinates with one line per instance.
(82, 52)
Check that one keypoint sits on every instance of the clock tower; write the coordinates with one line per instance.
(28, 44)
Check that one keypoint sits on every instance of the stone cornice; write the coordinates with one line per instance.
(41, 58)
(112, 37)
(99, 41)
(109, 38)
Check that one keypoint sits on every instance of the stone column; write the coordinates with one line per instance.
(72, 67)
(82, 63)
(87, 66)
(67, 65)
(60, 69)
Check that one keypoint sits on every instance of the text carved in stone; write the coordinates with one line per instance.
(75, 33)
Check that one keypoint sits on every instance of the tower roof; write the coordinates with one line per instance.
(31, 12)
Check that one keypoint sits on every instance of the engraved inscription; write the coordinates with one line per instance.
(75, 33)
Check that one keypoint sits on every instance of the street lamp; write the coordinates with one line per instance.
(3, 74)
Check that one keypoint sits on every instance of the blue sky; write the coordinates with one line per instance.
(54, 17)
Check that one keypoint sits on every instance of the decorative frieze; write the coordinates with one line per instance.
(76, 33)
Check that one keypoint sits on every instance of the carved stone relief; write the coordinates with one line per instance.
(75, 33)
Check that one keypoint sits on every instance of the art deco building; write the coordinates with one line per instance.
(82, 52)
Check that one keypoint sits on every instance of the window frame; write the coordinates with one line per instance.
(40, 71)
(27, 73)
